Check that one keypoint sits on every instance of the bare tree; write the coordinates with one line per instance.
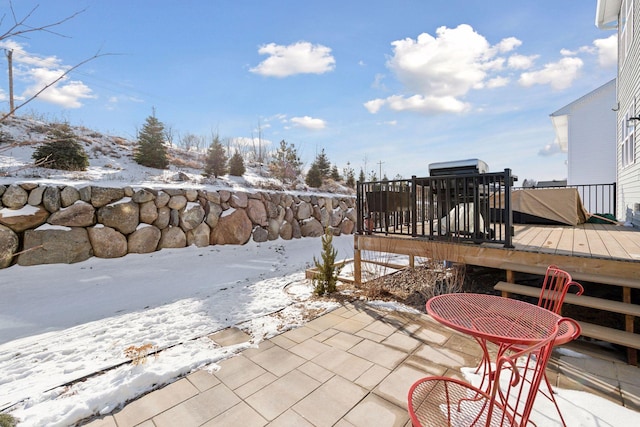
(21, 26)
(170, 135)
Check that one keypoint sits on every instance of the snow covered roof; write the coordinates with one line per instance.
(607, 14)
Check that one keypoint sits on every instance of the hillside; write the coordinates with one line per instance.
(111, 164)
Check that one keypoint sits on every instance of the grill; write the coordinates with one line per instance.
(458, 167)
(455, 187)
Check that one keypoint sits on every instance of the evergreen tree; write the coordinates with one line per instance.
(361, 177)
(324, 166)
(151, 150)
(350, 179)
(314, 178)
(61, 151)
(286, 164)
(236, 165)
(335, 174)
(326, 279)
(216, 163)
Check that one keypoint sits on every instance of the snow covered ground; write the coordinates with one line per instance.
(60, 323)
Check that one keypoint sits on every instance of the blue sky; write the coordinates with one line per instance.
(393, 85)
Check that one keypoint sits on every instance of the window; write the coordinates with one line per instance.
(628, 148)
(625, 29)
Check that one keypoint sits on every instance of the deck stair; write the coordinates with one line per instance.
(627, 338)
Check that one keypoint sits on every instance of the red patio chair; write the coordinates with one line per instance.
(441, 401)
(554, 289)
(556, 284)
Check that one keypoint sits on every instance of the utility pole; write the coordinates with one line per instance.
(380, 166)
(9, 53)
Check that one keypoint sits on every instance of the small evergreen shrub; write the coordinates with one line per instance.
(326, 280)
(236, 165)
(314, 176)
(7, 420)
(61, 151)
(216, 163)
(151, 150)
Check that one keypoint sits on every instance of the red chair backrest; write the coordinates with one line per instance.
(555, 287)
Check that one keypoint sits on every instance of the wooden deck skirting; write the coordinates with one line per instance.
(598, 253)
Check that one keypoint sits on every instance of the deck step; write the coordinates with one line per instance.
(582, 300)
(602, 333)
(615, 336)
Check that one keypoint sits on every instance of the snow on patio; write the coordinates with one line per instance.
(61, 323)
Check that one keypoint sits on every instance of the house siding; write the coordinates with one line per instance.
(628, 95)
(592, 124)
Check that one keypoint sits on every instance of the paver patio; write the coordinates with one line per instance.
(350, 367)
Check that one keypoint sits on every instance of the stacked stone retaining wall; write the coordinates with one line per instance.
(45, 224)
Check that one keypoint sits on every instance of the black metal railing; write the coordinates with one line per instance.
(475, 207)
(596, 198)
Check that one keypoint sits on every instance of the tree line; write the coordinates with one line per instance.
(62, 150)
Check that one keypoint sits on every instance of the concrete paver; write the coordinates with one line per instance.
(278, 361)
(330, 402)
(199, 409)
(349, 368)
(379, 354)
(239, 415)
(343, 363)
(238, 370)
(282, 394)
(230, 336)
(155, 403)
(376, 411)
(203, 380)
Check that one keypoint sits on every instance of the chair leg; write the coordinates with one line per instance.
(551, 397)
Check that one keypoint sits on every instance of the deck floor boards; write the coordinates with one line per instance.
(592, 251)
(585, 240)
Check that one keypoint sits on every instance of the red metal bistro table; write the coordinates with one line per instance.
(503, 321)
(493, 318)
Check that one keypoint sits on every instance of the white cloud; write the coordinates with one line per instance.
(497, 82)
(297, 58)
(37, 72)
(607, 50)
(378, 82)
(374, 105)
(308, 122)
(559, 74)
(550, 149)
(508, 44)
(440, 70)
(66, 93)
(521, 62)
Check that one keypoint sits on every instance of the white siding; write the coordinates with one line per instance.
(628, 93)
(592, 139)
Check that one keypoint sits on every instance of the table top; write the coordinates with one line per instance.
(494, 318)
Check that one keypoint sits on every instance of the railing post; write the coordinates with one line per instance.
(414, 207)
(508, 224)
(615, 201)
(359, 207)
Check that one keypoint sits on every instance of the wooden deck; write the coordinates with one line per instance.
(599, 253)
